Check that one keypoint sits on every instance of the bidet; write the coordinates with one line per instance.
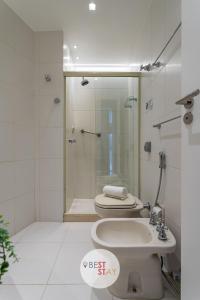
(135, 243)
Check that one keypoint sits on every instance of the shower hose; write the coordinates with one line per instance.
(159, 186)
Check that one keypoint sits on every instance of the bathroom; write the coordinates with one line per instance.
(96, 94)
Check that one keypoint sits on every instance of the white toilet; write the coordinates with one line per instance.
(107, 207)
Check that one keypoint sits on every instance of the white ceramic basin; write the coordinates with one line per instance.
(126, 235)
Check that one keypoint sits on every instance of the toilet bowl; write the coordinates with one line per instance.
(107, 207)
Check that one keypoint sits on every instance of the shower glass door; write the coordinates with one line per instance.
(116, 118)
(108, 106)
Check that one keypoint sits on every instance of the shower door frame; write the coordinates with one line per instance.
(68, 74)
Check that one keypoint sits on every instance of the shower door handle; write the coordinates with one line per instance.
(71, 141)
(89, 132)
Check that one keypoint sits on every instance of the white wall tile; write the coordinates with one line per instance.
(7, 21)
(24, 107)
(24, 142)
(56, 83)
(51, 175)
(6, 142)
(50, 114)
(50, 143)
(51, 206)
(49, 125)
(24, 211)
(7, 181)
(8, 59)
(17, 114)
(25, 177)
(24, 40)
(6, 103)
(7, 209)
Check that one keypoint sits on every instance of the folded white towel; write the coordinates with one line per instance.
(118, 192)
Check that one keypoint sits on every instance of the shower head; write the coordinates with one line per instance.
(84, 81)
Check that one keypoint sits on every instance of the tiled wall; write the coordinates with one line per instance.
(17, 136)
(164, 88)
(49, 125)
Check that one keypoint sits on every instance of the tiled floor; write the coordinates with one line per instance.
(84, 206)
(50, 255)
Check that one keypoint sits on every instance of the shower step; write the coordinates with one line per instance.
(76, 217)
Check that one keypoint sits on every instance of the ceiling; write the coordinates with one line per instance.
(110, 35)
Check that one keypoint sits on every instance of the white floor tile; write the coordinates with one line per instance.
(36, 261)
(43, 232)
(16, 238)
(80, 292)
(79, 232)
(67, 267)
(21, 292)
(168, 296)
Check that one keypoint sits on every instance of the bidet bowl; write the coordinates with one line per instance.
(130, 237)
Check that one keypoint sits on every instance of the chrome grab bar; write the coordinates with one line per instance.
(88, 132)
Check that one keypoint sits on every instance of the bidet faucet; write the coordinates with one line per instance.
(161, 227)
(155, 215)
(153, 218)
(162, 232)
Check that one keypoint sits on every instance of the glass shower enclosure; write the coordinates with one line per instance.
(102, 139)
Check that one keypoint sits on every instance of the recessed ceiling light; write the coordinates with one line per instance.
(75, 46)
(77, 58)
(66, 57)
(92, 6)
(64, 46)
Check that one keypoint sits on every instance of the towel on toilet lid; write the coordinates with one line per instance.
(118, 192)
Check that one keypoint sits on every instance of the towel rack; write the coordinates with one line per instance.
(167, 121)
(88, 132)
(188, 102)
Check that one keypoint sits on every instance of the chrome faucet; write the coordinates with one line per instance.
(153, 218)
(162, 232)
(161, 227)
(155, 215)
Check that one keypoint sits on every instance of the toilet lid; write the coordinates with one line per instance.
(108, 202)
